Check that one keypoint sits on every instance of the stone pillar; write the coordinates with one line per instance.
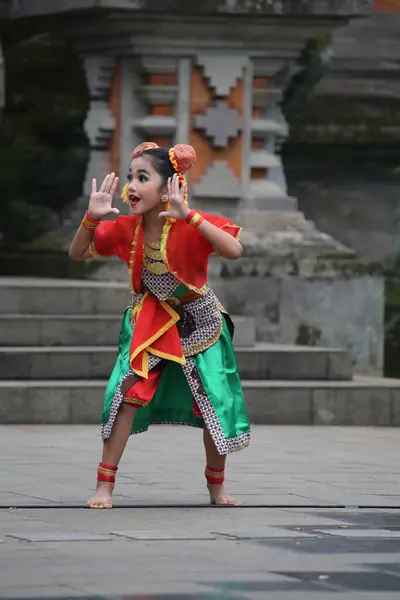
(100, 122)
(219, 129)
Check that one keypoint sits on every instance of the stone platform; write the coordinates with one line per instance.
(58, 345)
(320, 518)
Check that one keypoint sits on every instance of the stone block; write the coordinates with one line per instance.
(339, 366)
(101, 363)
(298, 365)
(86, 405)
(48, 405)
(250, 296)
(90, 331)
(363, 406)
(48, 300)
(287, 203)
(245, 331)
(15, 364)
(19, 331)
(278, 405)
(66, 332)
(322, 307)
(57, 364)
(395, 394)
(13, 405)
(112, 300)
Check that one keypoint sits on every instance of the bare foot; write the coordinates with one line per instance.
(102, 497)
(220, 497)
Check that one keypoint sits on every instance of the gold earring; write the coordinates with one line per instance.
(164, 198)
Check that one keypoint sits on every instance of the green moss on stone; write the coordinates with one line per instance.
(307, 335)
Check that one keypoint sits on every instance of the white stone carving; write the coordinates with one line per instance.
(218, 181)
(219, 122)
(222, 71)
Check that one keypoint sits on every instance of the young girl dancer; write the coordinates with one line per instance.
(176, 362)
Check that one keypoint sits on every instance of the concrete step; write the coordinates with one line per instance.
(264, 361)
(361, 402)
(51, 311)
(62, 296)
(85, 330)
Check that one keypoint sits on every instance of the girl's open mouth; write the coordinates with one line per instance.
(133, 200)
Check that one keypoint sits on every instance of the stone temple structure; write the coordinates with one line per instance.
(212, 73)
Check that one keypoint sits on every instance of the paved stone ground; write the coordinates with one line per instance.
(321, 517)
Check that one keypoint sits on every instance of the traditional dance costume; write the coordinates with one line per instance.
(176, 361)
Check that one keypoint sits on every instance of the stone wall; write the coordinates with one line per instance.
(351, 193)
(308, 302)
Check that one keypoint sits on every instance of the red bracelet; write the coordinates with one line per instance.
(88, 222)
(194, 219)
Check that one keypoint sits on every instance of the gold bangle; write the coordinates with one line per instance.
(89, 223)
(196, 220)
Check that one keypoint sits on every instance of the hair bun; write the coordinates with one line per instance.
(143, 147)
(185, 157)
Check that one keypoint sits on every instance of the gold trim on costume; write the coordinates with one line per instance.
(133, 249)
(93, 252)
(156, 268)
(155, 245)
(164, 239)
(135, 402)
(153, 254)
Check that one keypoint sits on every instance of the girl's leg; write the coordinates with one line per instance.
(215, 473)
(140, 394)
(112, 452)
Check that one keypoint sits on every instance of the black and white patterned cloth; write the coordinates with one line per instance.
(199, 327)
(162, 286)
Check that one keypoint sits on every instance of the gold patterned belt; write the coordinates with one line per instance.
(185, 299)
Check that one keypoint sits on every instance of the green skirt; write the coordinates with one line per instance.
(221, 402)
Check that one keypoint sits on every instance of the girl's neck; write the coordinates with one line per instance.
(153, 224)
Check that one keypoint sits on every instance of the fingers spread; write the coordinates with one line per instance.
(110, 183)
(176, 186)
(94, 185)
(103, 185)
(114, 186)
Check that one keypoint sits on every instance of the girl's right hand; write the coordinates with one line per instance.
(100, 203)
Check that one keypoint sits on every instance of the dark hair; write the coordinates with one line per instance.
(161, 162)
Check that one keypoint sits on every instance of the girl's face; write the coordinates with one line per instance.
(145, 187)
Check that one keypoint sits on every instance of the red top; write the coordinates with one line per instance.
(185, 252)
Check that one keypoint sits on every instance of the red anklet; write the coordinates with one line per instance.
(106, 473)
(214, 476)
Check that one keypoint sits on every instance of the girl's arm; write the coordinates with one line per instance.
(224, 244)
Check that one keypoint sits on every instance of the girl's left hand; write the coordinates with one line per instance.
(178, 209)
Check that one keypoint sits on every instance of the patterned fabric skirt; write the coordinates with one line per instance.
(206, 391)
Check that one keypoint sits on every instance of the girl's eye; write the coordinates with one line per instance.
(129, 177)
(142, 178)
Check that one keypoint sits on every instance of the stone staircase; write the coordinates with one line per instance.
(58, 345)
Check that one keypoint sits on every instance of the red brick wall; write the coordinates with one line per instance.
(387, 5)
